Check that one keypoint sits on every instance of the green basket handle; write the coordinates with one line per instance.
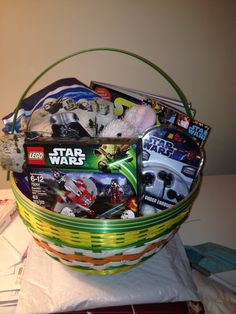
(152, 65)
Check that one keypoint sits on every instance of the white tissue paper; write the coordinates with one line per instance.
(49, 286)
(215, 297)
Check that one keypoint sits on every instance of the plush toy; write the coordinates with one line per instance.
(12, 151)
(135, 121)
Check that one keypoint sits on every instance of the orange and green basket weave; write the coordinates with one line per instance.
(95, 246)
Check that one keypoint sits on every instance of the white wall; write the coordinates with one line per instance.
(193, 41)
(213, 215)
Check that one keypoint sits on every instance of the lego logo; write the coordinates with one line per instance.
(36, 155)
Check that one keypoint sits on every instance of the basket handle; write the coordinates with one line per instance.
(146, 61)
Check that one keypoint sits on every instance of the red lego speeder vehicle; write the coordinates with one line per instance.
(74, 196)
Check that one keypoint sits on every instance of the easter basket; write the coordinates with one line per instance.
(102, 246)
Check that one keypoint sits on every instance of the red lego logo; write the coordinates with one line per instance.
(36, 155)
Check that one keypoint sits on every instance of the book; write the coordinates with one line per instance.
(120, 95)
(168, 110)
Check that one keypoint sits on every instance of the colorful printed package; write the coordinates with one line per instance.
(171, 162)
(92, 178)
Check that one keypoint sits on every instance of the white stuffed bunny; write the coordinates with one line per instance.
(135, 121)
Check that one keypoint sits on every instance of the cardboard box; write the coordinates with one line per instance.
(92, 178)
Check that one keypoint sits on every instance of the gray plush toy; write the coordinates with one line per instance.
(12, 151)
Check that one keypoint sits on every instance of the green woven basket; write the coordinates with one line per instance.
(102, 246)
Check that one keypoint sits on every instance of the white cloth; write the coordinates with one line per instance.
(49, 286)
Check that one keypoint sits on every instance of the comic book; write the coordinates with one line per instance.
(169, 111)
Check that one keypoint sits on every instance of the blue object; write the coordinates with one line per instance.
(211, 257)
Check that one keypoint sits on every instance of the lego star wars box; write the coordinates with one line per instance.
(92, 178)
(171, 162)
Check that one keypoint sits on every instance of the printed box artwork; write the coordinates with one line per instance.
(91, 178)
(172, 161)
(168, 111)
(124, 98)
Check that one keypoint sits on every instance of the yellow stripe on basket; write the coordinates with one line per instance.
(102, 252)
(103, 272)
(162, 227)
(87, 239)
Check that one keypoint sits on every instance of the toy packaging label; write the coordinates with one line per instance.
(92, 178)
(168, 111)
(171, 162)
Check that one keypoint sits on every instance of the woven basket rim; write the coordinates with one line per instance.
(116, 221)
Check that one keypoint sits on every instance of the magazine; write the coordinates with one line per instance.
(169, 111)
